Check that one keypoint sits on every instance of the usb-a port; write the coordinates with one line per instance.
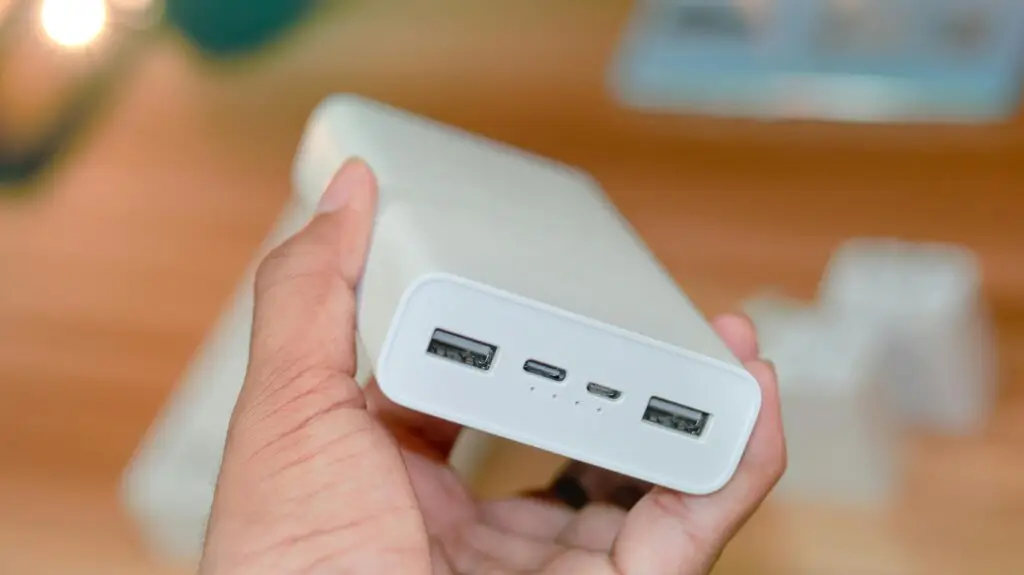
(461, 349)
(676, 417)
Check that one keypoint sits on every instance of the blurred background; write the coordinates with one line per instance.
(145, 150)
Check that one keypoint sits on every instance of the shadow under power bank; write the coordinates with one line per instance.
(504, 292)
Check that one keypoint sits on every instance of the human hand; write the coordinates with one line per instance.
(319, 476)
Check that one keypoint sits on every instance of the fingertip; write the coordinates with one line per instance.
(352, 184)
(738, 332)
(364, 197)
(345, 219)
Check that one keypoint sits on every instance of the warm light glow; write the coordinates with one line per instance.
(74, 23)
(134, 6)
(137, 13)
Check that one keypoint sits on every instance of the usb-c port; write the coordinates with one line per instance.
(544, 370)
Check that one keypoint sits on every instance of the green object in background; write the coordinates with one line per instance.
(226, 28)
(218, 28)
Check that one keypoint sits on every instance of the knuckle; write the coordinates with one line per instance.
(289, 398)
(285, 378)
(295, 259)
(273, 266)
(306, 273)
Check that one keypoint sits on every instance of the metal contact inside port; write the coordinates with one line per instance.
(544, 370)
(461, 349)
(676, 417)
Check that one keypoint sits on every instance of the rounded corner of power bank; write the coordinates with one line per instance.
(422, 283)
(756, 391)
(389, 391)
(699, 487)
(715, 486)
(381, 368)
(429, 279)
(722, 479)
(751, 389)
(752, 396)
(339, 106)
(386, 383)
(756, 396)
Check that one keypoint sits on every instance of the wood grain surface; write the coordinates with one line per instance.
(113, 270)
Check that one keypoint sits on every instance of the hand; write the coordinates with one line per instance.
(320, 476)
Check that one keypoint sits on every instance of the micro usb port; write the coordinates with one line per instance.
(461, 349)
(676, 417)
(603, 391)
(544, 370)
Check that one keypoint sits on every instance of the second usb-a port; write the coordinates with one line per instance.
(544, 370)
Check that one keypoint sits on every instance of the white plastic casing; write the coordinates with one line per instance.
(526, 254)
(843, 439)
(924, 300)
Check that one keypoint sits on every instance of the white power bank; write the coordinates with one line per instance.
(504, 292)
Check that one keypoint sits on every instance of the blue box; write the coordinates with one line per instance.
(846, 60)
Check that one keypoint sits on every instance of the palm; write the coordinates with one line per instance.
(513, 535)
(522, 534)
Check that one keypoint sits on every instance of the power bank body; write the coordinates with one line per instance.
(504, 292)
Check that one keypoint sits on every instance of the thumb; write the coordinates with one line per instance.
(310, 482)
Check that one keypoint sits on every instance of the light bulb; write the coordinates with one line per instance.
(74, 23)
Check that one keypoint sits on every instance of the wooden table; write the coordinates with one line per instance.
(113, 271)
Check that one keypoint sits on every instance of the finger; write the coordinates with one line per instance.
(309, 282)
(737, 331)
(310, 481)
(527, 517)
(594, 528)
(440, 563)
(424, 434)
(491, 548)
(669, 532)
